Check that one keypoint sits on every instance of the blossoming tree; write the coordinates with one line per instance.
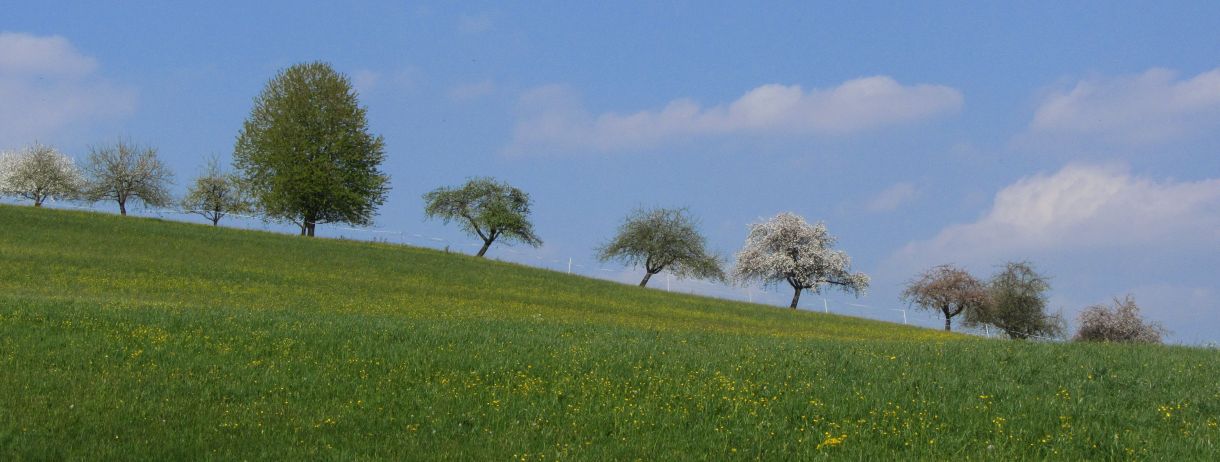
(125, 171)
(947, 289)
(39, 173)
(787, 248)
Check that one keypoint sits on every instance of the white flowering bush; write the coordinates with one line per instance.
(39, 173)
(788, 249)
(1118, 323)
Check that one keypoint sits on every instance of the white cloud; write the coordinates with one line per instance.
(555, 119)
(1149, 107)
(47, 86)
(474, 24)
(893, 197)
(365, 80)
(1079, 207)
(370, 81)
(471, 91)
(27, 55)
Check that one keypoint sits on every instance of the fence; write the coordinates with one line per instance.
(535, 258)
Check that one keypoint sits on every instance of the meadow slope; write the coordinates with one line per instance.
(128, 338)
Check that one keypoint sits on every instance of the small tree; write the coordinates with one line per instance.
(949, 290)
(787, 248)
(662, 239)
(486, 208)
(1120, 323)
(39, 173)
(1018, 304)
(306, 151)
(126, 171)
(215, 194)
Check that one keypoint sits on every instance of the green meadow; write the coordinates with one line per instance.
(140, 339)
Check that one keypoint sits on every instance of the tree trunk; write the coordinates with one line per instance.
(215, 220)
(647, 276)
(486, 244)
(948, 324)
(123, 207)
(302, 229)
(796, 297)
(310, 229)
(37, 202)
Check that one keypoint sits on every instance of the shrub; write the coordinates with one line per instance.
(1119, 323)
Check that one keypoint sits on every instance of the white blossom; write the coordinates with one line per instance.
(1118, 323)
(787, 248)
(125, 171)
(39, 173)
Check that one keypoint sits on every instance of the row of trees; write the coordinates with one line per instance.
(784, 249)
(305, 156)
(1014, 300)
(120, 172)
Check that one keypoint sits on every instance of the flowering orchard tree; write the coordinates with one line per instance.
(1120, 323)
(39, 173)
(787, 248)
(126, 171)
(947, 289)
(215, 194)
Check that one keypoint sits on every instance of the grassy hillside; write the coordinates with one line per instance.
(141, 339)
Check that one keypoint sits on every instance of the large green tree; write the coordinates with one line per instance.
(487, 208)
(661, 239)
(306, 152)
(1018, 304)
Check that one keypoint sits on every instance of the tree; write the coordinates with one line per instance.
(215, 194)
(787, 248)
(1120, 323)
(486, 208)
(39, 173)
(306, 151)
(660, 239)
(126, 171)
(947, 289)
(1018, 304)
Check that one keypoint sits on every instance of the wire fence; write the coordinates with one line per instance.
(540, 259)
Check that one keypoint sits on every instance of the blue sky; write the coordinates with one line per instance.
(1082, 136)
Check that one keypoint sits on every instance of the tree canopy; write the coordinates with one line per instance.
(947, 289)
(661, 239)
(39, 173)
(125, 171)
(486, 208)
(787, 248)
(215, 194)
(306, 151)
(1018, 304)
(1120, 322)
